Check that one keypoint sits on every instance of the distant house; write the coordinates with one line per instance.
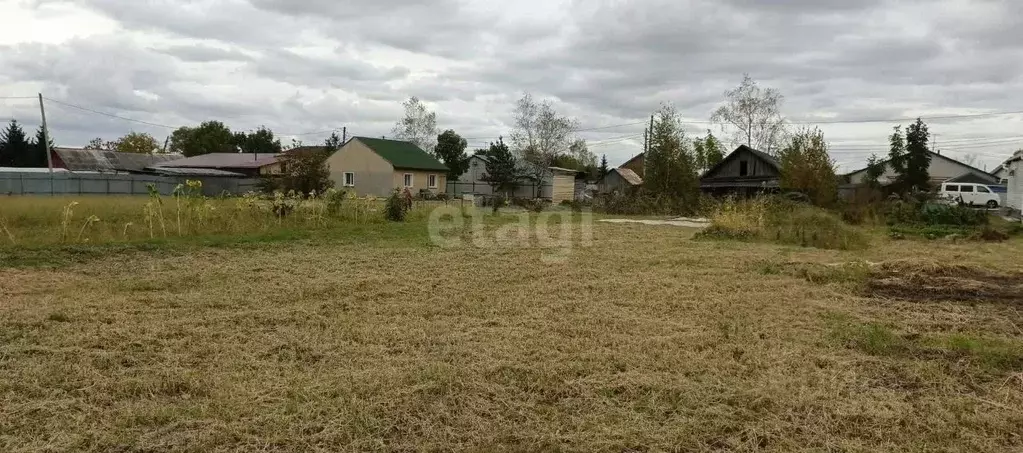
(942, 169)
(637, 164)
(375, 166)
(96, 160)
(248, 164)
(620, 180)
(744, 172)
(1002, 173)
(1014, 175)
(558, 184)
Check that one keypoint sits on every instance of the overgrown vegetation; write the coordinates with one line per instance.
(40, 221)
(775, 219)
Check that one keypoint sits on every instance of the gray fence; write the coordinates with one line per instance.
(524, 190)
(65, 183)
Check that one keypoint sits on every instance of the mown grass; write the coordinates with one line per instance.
(644, 341)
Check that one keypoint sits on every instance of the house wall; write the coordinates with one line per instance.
(637, 164)
(373, 174)
(420, 179)
(272, 169)
(1014, 191)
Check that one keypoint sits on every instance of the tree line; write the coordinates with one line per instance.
(21, 151)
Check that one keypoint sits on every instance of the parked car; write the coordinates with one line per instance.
(971, 194)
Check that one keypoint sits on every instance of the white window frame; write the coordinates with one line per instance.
(409, 180)
(431, 185)
(346, 183)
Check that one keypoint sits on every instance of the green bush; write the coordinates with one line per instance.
(396, 207)
(933, 214)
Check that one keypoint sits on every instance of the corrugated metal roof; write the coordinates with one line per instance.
(223, 160)
(109, 161)
(176, 171)
(31, 170)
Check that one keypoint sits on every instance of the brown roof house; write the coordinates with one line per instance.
(637, 164)
(376, 166)
(744, 172)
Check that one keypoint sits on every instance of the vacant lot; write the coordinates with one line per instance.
(646, 341)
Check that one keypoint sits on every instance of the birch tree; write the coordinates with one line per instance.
(418, 125)
(753, 115)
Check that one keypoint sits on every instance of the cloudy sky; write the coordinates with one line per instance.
(305, 67)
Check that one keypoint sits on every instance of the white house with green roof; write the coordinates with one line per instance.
(376, 166)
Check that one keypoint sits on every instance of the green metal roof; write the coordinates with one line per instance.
(403, 155)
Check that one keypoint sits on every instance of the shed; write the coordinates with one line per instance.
(619, 180)
(562, 184)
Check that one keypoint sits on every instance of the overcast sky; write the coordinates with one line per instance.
(310, 66)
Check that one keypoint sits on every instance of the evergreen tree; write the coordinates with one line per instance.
(875, 169)
(40, 146)
(502, 169)
(670, 167)
(332, 143)
(897, 153)
(918, 157)
(713, 151)
(699, 155)
(603, 167)
(14, 146)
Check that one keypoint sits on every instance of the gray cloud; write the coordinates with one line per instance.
(203, 53)
(320, 64)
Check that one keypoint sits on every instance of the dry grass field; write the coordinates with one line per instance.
(646, 341)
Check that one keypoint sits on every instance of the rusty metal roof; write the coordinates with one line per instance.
(76, 159)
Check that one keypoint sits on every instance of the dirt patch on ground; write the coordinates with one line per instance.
(932, 282)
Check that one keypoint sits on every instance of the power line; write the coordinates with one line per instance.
(111, 115)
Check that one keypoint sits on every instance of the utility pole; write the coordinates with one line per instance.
(650, 132)
(46, 137)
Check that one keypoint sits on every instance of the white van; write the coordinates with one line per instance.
(971, 194)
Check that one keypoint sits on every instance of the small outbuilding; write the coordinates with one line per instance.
(620, 180)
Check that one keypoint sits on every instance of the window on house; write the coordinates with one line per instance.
(431, 181)
(983, 189)
(1005, 181)
(743, 168)
(349, 179)
(951, 188)
(408, 179)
